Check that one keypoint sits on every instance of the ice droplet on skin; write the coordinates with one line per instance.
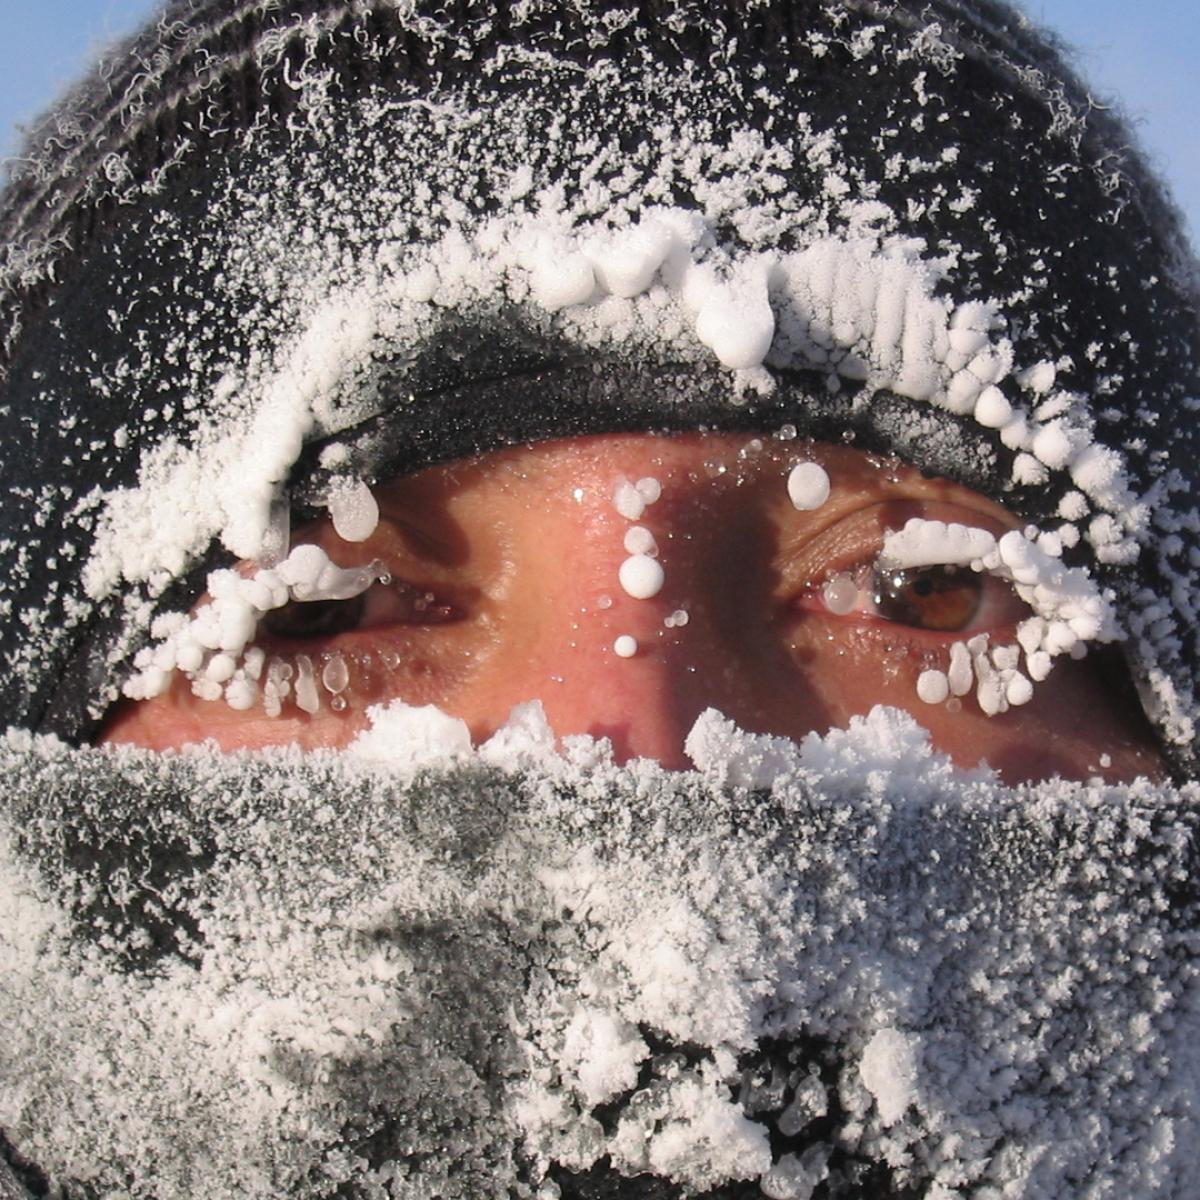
(354, 511)
(933, 687)
(840, 594)
(625, 646)
(336, 675)
(641, 576)
(807, 486)
(639, 540)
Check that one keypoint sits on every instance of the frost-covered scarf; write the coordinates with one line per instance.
(431, 971)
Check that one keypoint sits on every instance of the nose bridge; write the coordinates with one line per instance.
(614, 653)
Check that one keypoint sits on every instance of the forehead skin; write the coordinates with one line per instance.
(525, 545)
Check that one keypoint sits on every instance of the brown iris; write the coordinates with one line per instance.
(944, 598)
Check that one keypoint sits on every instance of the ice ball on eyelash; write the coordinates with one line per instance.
(625, 646)
(807, 486)
(933, 687)
(628, 501)
(641, 576)
(1019, 690)
(840, 595)
(639, 540)
(241, 694)
(353, 510)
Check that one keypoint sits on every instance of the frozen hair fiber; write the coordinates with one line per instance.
(429, 232)
(272, 242)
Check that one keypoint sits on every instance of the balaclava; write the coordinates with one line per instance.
(272, 250)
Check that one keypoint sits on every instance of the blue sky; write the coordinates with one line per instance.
(1144, 54)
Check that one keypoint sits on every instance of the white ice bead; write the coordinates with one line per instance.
(307, 697)
(189, 656)
(627, 264)
(1015, 549)
(224, 584)
(737, 324)
(241, 694)
(303, 566)
(1038, 665)
(992, 409)
(990, 695)
(1030, 633)
(933, 687)
(968, 342)
(560, 282)
(220, 668)
(1052, 445)
(1006, 658)
(259, 594)
(628, 501)
(962, 393)
(1015, 433)
(1019, 690)
(353, 510)
(165, 657)
(154, 682)
(252, 662)
(960, 676)
(974, 314)
(649, 489)
(1040, 377)
(625, 646)
(205, 630)
(639, 540)
(807, 486)
(987, 367)
(641, 576)
(1060, 637)
(207, 689)
(238, 624)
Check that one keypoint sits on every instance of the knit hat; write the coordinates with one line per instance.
(270, 243)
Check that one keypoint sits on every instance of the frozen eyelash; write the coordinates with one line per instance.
(1070, 610)
(213, 648)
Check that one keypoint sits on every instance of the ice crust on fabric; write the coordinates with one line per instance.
(837, 956)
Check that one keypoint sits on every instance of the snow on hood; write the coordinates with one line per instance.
(413, 968)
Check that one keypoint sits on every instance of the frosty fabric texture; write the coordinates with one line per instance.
(411, 233)
(307, 975)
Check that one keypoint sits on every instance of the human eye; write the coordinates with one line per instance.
(387, 602)
(332, 628)
(939, 598)
(963, 607)
(851, 577)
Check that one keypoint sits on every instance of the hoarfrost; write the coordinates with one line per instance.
(522, 961)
